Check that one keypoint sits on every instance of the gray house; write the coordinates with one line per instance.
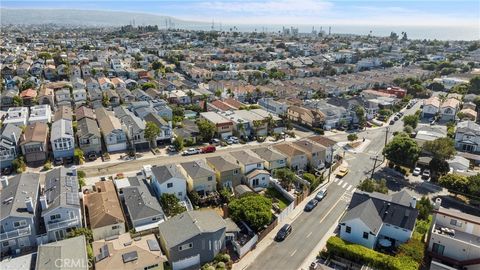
(273, 159)
(89, 137)
(135, 128)
(193, 238)
(142, 207)
(19, 213)
(61, 211)
(70, 254)
(166, 130)
(62, 139)
(9, 139)
(114, 136)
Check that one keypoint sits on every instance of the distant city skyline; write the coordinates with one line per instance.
(288, 12)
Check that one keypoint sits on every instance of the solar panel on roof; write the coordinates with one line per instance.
(104, 252)
(153, 245)
(72, 198)
(129, 257)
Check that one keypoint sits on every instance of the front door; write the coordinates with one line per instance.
(59, 235)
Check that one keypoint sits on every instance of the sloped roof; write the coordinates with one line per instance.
(367, 213)
(197, 169)
(103, 206)
(166, 172)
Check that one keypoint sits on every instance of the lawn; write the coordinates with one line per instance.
(277, 197)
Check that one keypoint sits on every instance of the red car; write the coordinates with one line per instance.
(208, 149)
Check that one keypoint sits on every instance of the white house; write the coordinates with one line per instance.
(431, 107)
(166, 179)
(449, 108)
(248, 161)
(258, 179)
(467, 137)
(377, 219)
(40, 113)
(17, 116)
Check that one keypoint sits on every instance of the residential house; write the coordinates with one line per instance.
(316, 153)
(258, 179)
(105, 215)
(224, 126)
(40, 113)
(142, 207)
(165, 135)
(61, 209)
(227, 172)
(296, 158)
(78, 83)
(305, 116)
(189, 131)
(62, 139)
(125, 253)
(449, 109)
(134, 128)
(431, 107)
(92, 84)
(79, 96)
(374, 218)
(125, 95)
(467, 137)
(17, 116)
(70, 252)
(19, 213)
(257, 123)
(272, 158)
(192, 238)
(63, 97)
(113, 97)
(453, 238)
(200, 177)
(34, 143)
(7, 98)
(63, 112)
(114, 135)
(89, 137)
(9, 144)
(105, 83)
(167, 179)
(329, 144)
(247, 160)
(28, 96)
(273, 106)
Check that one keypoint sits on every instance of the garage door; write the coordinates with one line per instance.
(186, 263)
(116, 147)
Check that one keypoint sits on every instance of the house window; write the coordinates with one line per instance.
(56, 216)
(235, 172)
(365, 235)
(169, 185)
(255, 182)
(348, 229)
(5, 244)
(259, 165)
(438, 249)
(210, 178)
(116, 227)
(455, 222)
(185, 246)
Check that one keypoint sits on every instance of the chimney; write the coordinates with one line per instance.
(43, 202)
(437, 204)
(29, 204)
(4, 181)
(413, 202)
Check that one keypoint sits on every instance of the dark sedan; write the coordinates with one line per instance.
(311, 205)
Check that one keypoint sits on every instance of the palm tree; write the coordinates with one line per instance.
(241, 129)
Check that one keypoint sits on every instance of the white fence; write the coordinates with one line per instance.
(284, 214)
(242, 250)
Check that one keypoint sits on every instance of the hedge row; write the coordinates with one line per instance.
(357, 253)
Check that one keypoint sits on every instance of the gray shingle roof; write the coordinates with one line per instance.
(245, 157)
(49, 254)
(13, 197)
(140, 200)
(221, 164)
(87, 126)
(268, 154)
(197, 168)
(189, 224)
(166, 172)
(61, 189)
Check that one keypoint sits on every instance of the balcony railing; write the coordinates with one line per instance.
(16, 233)
(55, 225)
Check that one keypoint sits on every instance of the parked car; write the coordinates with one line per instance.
(310, 205)
(392, 122)
(215, 141)
(208, 149)
(171, 149)
(417, 171)
(58, 161)
(342, 172)
(395, 118)
(190, 151)
(321, 194)
(283, 232)
(426, 174)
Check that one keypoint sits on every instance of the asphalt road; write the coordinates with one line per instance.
(310, 228)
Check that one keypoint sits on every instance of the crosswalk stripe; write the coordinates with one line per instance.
(339, 183)
(336, 179)
(344, 185)
(349, 187)
(353, 190)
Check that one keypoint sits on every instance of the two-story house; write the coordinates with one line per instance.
(467, 137)
(449, 109)
(374, 219)
(114, 135)
(105, 215)
(88, 137)
(200, 177)
(227, 172)
(296, 158)
(224, 126)
(272, 158)
(305, 116)
(62, 139)
(134, 128)
(9, 144)
(315, 152)
(192, 238)
(167, 179)
(247, 160)
(431, 107)
(61, 209)
(79, 96)
(40, 113)
(72, 252)
(454, 238)
(17, 116)
(62, 97)
(166, 131)
(143, 210)
(19, 213)
(34, 143)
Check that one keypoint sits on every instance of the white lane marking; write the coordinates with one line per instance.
(349, 187)
(293, 253)
(353, 190)
(339, 183)
(336, 179)
(344, 185)
(308, 235)
(331, 209)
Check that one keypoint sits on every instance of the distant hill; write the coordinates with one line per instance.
(86, 18)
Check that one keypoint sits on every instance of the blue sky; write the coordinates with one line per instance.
(347, 12)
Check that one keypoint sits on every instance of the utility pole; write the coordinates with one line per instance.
(386, 135)
(331, 164)
(374, 165)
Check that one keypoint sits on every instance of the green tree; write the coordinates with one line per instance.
(45, 55)
(17, 101)
(207, 129)
(253, 209)
(424, 207)
(436, 86)
(441, 148)
(157, 65)
(454, 182)
(286, 177)
(360, 112)
(402, 150)
(148, 85)
(151, 132)
(171, 204)
(474, 185)
(475, 85)
(461, 89)
(19, 164)
(352, 137)
(371, 185)
(178, 143)
(411, 120)
(79, 156)
(408, 129)
(81, 231)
